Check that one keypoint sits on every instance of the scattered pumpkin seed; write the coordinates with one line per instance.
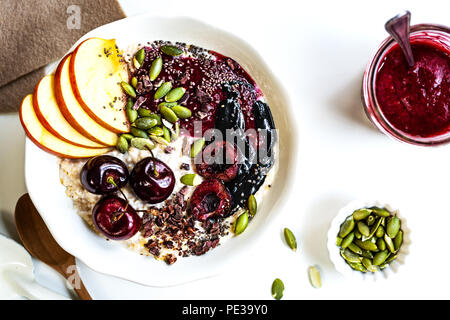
(175, 94)
(197, 147)
(163, 90)
(142, 143)
(138, 133)
(252, 205)
(156, 131)
(168, 114)
(140, 56)
(167, 104)
(132, 114)
(159, 140)
(144, 112)
(129, 90)
(127, 136)
(136, 63)
(191, 179)
(171, 50)
(134, 82)
(145, 123)
(314, 277)
(182, 112)
(155, 68)
(175, 132)
(277, 289)
(290, 239)
(122, 144)
(241, 223)
(166, 133)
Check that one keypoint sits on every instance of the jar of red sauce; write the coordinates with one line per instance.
(411, 104)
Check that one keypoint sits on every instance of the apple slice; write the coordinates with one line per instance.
(72, 110)
(47, 141)
(96, 70)
(47, 110)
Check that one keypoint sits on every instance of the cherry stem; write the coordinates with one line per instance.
(155, 172)
(117, 215)
(110, 180)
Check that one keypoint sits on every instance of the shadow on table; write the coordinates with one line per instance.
(325, 209)
(348, 104)
(8, 226)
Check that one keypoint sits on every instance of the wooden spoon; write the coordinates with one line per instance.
(38, 240)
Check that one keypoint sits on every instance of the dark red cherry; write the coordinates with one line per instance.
(152, 180)
(218, 160)
(210, 199)
(115, 218)
(98, 172)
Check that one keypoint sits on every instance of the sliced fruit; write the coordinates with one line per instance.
(74, 113)
(96, 70)
(47, 141)
(210, 199)
(47, 110)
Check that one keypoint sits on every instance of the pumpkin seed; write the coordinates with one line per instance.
(290, 239)
(157, 118)
(191, 179)
(367, 254)
(389, 243)
(166, 134)
(145, 123)
(374, 228)
(175, 94)
(155, 68)
(167, 104)
(168, 114)
(398, 240)
(144, 112)
(163, 90)
(159, 140)
(363, 228)
(122, 144)
(252, 205)
(134, 82)
(241, 223)
(277, 289)
(136, 63)
(142, 143)
(175, 132)
(358, 234)
(381, 244)
(314, 277)
(366, 245)
(156, 131)
(380, 232)
(350, 256)
(127, 136)
(338, 241)
(138, 133)
(353, 247)
(357, 266)
(129, 90)
(197, 147)
(391, 258)
(379, 258)
(348, 240)
(140, 56)
(361, 214)
(367, 263)
(132, 114)
(346, 227)
(370, 220)
(392, 227)
(171, 50)
(182, 112)
(380, 212)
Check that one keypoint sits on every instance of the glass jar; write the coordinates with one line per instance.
(439, 37)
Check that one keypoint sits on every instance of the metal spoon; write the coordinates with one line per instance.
(38, 240)
(398, 28)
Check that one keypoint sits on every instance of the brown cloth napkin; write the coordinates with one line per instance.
(34, 33)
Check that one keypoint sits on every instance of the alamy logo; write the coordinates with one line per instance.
(74, 20)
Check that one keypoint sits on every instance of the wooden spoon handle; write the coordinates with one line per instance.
(82, 292)
(70, 272)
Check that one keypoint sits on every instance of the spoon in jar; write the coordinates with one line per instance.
(398, 28)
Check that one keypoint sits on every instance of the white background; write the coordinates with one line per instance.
(319, 50)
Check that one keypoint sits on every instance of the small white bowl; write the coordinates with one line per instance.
(334, 251)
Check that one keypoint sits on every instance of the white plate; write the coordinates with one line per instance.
(109, 257)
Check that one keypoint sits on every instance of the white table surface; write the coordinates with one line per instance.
(319, 49)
